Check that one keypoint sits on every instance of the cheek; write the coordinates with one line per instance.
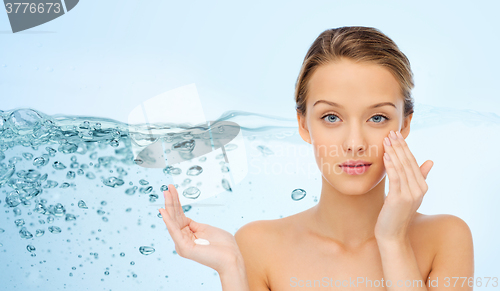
(378, 151)
(378, 159)
(327, 153)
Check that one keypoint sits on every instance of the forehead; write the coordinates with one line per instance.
(353, 84)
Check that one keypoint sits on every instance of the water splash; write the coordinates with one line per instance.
(45, 159)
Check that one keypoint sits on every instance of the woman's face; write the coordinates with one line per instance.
(351, 107)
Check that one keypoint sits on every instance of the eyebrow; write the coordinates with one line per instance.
(372, 106)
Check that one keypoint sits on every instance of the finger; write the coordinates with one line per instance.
(183, 220)
(196, 226)
(426, 167)
(394, 182)
(168, 215)
(414, 188)
(179, 213)
(172, 227)
(169, 202)
(412, 185)
(168, 206)
(403, 180)
(417, 174)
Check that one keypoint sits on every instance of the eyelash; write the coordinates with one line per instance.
(386, 118)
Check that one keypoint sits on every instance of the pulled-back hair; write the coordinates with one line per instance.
(359, 44)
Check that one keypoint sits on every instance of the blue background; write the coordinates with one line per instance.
(104, 58)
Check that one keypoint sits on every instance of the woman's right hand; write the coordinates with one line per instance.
(222, 254)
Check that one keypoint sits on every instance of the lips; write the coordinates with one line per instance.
(355, 163)
(357, 166)
(353, 167)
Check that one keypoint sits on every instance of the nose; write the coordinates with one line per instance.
(354, 143)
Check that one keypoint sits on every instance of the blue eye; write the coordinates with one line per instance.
(329, 120)
(379, 119)
(332, 118)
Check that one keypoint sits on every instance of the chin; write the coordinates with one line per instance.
(355, 184)
(355, 188)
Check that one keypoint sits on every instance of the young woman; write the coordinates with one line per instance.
(354, 106)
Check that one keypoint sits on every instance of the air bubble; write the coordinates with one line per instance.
(58, 165)
(298, 194)
(194, 171)
(82, 204)
(54, 229)
(113, 182)
(145, 250)
(191, 193)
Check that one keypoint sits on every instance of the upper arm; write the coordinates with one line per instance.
(249, 240)
(454, 256)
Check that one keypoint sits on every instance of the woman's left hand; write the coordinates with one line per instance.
(407, 187)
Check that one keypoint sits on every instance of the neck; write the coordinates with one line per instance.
(345, 218)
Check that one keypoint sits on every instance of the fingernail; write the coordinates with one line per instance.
(386, 156)
(387, 141)
(400, 135)
(393, 135)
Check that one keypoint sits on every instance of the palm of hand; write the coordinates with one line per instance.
(222, 250)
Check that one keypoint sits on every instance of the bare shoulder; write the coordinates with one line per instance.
(256, 241)
(259, 230)
(266, 232)
(257, 238)
(446, 236)
(451, 242)
(452, 231)
(442, 225)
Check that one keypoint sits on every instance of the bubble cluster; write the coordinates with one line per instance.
(45, 162)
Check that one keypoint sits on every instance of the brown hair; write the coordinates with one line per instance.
(357, 43)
